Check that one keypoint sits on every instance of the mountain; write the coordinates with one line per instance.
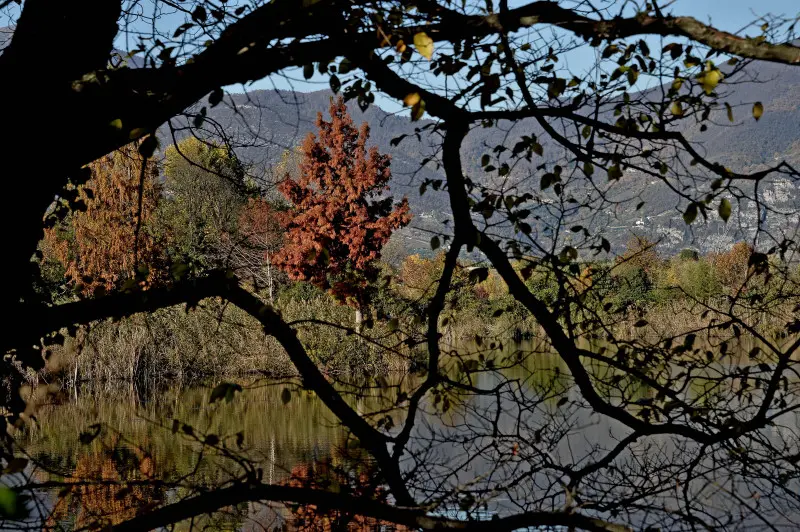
(281, 119)
(267, 124)
(5, 36)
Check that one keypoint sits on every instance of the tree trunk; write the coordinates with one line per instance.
(359, 319)
(269, 281)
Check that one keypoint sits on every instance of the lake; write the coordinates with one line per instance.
(144, 448)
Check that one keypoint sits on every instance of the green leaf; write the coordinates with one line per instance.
(633, 75)
(730, 111)
(138, 132)
(690, 214)
(758, 110)
(345, 66)
(435, 243)
(8, 502)
(116, 124)
(724, 209)
(710, 79)
(308, 71)
(610, 50)
(200, 117)
(614, 172)
(15, 465)
(568, 254)
(674, 49)
(556, 88)
(199, 14)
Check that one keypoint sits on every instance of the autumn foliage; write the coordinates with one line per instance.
(102, 246)
(732, 266)
(339, 222)
(259, 226)
(96, 491)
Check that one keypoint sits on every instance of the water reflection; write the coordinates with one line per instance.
(528, 436)
(141, 456)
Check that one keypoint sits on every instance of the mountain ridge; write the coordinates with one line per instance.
(283, 118)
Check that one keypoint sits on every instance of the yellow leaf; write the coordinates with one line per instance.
(758, 110)
(423, 44)
(730, 111)
(138, 132)
(411, 99)
(710, 80)
(400, 46)
(417, 110)
(676, 109)
(725, 209)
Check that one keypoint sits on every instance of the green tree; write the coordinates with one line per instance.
(206, 190)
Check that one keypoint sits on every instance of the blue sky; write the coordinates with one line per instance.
(730, 15)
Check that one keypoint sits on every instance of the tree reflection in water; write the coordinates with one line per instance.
(108, 487)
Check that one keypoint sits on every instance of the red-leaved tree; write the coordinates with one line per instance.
(340, 217)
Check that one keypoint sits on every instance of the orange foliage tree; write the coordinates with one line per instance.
(339, 220)
(640, 253)
(732, 266)
(102, 246)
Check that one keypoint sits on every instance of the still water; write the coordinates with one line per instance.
(136, 440)
(147, 448)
